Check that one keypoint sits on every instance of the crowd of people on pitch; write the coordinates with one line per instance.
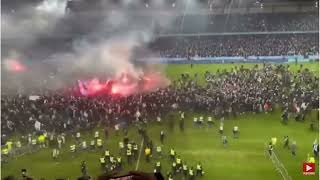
(235, 45)
(235, 92)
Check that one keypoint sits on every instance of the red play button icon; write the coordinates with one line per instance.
(309, 168)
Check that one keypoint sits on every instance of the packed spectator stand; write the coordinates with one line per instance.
(238, 45)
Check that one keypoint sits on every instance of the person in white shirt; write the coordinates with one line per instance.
(200, 121)
(210, 122)
(236, 132)
(195, 121)
(221, 128)
(158, 119)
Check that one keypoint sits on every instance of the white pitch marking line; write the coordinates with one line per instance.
(137, 165)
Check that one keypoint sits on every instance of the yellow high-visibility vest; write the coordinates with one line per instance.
(129, 146)
(121, 146)
(111, 159)
(99, 142)
(128, 152)
(84, 144)
(106, 153)
(185, 167)
(172, 152)
(119, 159)
(5, 151)
(72, 148)
(174, 164)
(102, 161)
(178, 161)
(92, 143)
(311, 160)
(158, 164)
(191, 172)
(201, 119)
(147, 151)
(33, 141)
(9, 145)
(96, 134)
(198, 167)
(274, 141)
(18, 144)
(41, 138)
(158, 148)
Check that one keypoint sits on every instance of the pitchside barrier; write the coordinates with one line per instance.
(233, 59)
(279, 167)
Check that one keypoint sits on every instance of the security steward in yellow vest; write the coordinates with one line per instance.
(121, 147)
(112, 160)
(99, 143)
(18, 144)
(135, 150)
(129, 156)
(5, 152)
(174, 167)
(119, 163)
(191, 173)
(9, 145)
(96, 134)
(170, 176)
(159, 150)
(147, 152)
(102, 162)
(199, 169)
(172, 154)
(157, 168)
(185, 169)
(84, 145)
(73, 148)
(311, 159)
(5, 155)
(106, 154)
(92, 144)
(179, 163)
(34, 142)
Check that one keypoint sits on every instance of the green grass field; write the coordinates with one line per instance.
(245, 158)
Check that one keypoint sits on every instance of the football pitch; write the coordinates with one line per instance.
(244, 158)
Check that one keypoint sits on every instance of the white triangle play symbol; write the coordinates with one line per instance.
(308, 168)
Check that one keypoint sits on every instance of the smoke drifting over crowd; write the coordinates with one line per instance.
(107, 50)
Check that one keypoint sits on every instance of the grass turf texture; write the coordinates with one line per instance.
(245, 158)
